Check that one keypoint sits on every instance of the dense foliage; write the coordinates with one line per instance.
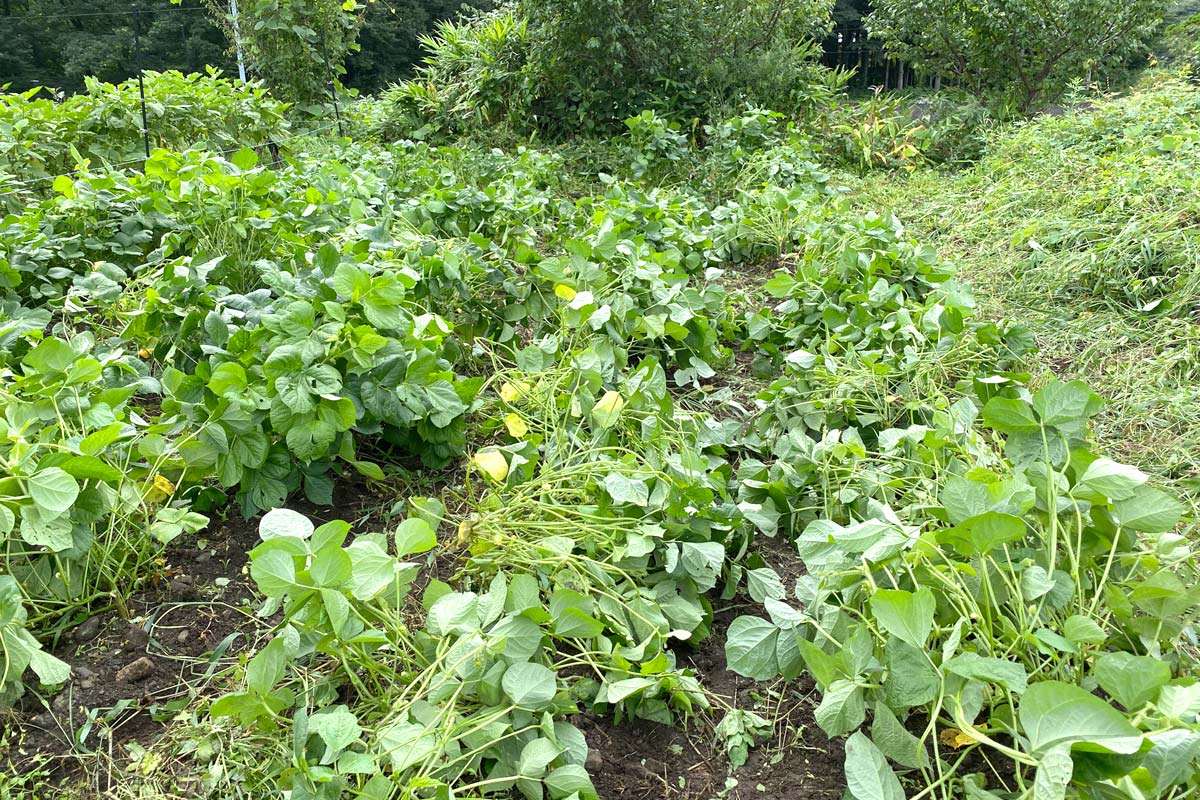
(59, 44)
(1027, 53)
(588, 408)
(41, 138)
(565, 68)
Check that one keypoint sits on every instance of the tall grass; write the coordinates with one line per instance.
(1087, 227)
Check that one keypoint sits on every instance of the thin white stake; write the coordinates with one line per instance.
(237, 40)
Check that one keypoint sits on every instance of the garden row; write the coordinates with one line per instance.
(978, 581)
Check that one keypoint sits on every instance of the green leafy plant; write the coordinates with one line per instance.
(980, 617)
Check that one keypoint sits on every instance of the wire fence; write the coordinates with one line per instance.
(57, 50)
(13, 188)
(849, 46)
(134, 15)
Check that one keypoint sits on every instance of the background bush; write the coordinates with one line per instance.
(585, 66)
(1025, 52)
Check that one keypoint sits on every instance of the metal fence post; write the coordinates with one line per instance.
(332, 82)
(137, 49)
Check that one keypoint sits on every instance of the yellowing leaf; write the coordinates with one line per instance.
(608, 409)
(516, 426)
(512, 392)
(144, 353)
(492, 463)
(159, 489)
(564, 291)
(466, 529)
(953, 737)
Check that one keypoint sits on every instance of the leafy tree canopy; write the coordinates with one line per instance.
(1025, 51)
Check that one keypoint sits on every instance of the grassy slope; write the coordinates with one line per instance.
(1087, 228)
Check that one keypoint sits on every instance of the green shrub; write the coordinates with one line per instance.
(1025, 53)
(586, 66)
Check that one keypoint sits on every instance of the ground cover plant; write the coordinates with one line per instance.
(417, 466)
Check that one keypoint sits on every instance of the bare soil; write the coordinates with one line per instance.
(132, 669)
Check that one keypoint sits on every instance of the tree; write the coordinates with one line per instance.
(1025, 51)
(293, 45)
(390, 40)
(604, 60)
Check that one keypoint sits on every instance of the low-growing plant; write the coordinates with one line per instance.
(41, 137)
(1007, 618)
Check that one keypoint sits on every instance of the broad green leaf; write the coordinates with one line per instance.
(1131, 680)
(453, 613)
(53, 490)
(823, 667)
(906, 615)
(1163, 595)
(1010, 674)
(274, 572)
(267, 666)
(1083, 630)
(49, 669)
(520, 638)
(964, 498)
(1113, 480)
(623, 489)
(764, 516)
(570, 781)
(1060, 403)
(414, 535)
(331, 567)
(984, 533)
(284, 522)
(373, 568)
(893, 739)
(868, 775)
(337, 608)
(1054, 712)
(750, 648)
(842, 708)
(1172, 757)
(46, 529)
(536, 756)
(1148, 510)
(1053, 774)
(338, 728)
(90, 467)
(523, 594)
(1010, 416)
(619, 691)
(407, 744)
(911, 679)
(530, 686)
(51, 355)
(763, 584)
(430, 509)
(1035, 583)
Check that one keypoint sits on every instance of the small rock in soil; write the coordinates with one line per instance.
(135, 636)
(136, 671)
(85, 677)
(61, 704)
(183, 591)
(183, 636)
(88, 630)
(594, 761)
